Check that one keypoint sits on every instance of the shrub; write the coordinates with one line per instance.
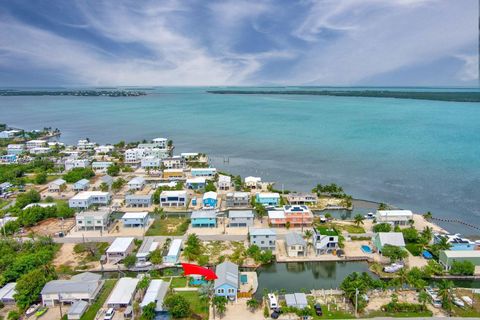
(462, 268)
(414, 248)
(382, 227)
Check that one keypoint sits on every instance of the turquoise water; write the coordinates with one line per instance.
(417, 154)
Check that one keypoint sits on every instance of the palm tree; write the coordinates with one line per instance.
(423, 297)
(445, 293)
(427, 234)
(403, 277)
(253, 304)
(428, 215)
(358, 219)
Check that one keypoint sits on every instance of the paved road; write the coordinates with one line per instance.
(220, 237)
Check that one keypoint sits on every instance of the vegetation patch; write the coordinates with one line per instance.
(168, 226)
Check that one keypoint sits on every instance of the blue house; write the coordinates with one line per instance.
(195, 183)
(268, 198)
(81, 185)
(203, 172)
(8, 158)
(135, 219)
(210, 199)
(204, 219)
(226, 285)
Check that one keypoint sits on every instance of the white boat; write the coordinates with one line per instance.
(33, 308)
(394, 267)
(458, 302)
(467, 300)
(435, 300)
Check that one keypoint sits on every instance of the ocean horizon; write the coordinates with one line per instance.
(414, 154)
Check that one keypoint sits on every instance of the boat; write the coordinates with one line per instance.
(467, 300)
(394, 267)
(458, 302)
(33, 308)
(41, 311)
(434, 299)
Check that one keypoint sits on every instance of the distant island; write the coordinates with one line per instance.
(80, 93)
(471, 96)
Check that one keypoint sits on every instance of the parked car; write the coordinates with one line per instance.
(318, 309)
(109, 314)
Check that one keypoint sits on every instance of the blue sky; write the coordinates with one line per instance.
(239, 42)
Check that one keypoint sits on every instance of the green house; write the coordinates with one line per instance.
(447, 257)
(391, 238)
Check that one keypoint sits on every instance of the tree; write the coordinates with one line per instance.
(428, 216)
(287, 225)
(210, 186)
(358, 219)
(129, 261)
(177, 305)
(148, 312)
(30, 285)
(432, 268)
(445, 293)
(41, 177)
(415, 278)
(423, 297)
(193, 247)
(156, 257)
(395, 253)
(361, 282)
(78, 174)
(113, 170)
(253, 304)
(23, 199)
(220, 304)
(260, 211)
(410, 235)
(383, 206)
(382, 227)
(463, 268)
(426, 235)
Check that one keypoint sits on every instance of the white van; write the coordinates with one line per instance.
(272, 301)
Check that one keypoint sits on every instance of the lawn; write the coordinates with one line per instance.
(170, 226)
(425, 314)
(178, 282)
(198, 307)
(334, 315)
(93, 309)
(350, 228)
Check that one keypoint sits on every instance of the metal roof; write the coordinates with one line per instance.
(199, 214)
(81, 283)
(391, 238)
(8, 291)
(175, 247)
(135, 215)
(227, 273)
(240, 214)
(262, 232)
(120, 245)
(156, 292)
(294, 238)
(78, 308)
(123, 291)
(148, 245)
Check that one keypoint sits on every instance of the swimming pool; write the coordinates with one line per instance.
(366, 249)
(243, 278)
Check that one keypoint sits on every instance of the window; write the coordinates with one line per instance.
(231, 290)
(221, 291)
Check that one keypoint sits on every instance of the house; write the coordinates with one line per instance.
(83, 286)
(85, 199)
(135, 219)
(81, 185)
(175, 162)
(93, 220)
(133, 155)
(240, 218)
(224, 182)
(150, 162)
(295, 244)
(173, 252)
(85, 145)
(204, 219)
(5, 187)
(395, 217)
(264, 238)
(253, 182)
(161, 143)
(8, 134)
(35, 144)
(173, 174)
(276, 218)
(104, 149)
(7, 293)
(195, 183)
(57, 185)
(268, 198)
(302, 198)
(156, 292)
(173, 198)
(76, 163)
(123, 293)
(136, 183)
(77, 309)
(237, 199)
(325, 240)
(8, 158)
(203, 172)
(108, 180)
(139, 200)
(119, 249)
(448, 257)
(39, 150)
(390, 238)
(456, 241)
(296, 300)
(148, 246)
(15, 149)
(298, 215)
(209, 199)
(101, 166)
(227, 283)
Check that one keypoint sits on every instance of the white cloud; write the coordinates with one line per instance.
(469, 72)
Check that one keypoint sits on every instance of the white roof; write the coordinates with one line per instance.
(189, 154)
(159, 139)
(199, 214)
(58, 182)
(123, 291)
(135, 215)
(276, 214)
(137, 180)
(173, 170)
(462, 253)
(173, 193)
(210, 195)
(394, 213)
(155, 293)
(196, 180)
(224, 179)
(203, 169)
(253, 179)
(120, 245)
(391, 238)
(175, 247)
(84, 195)
(8, 291)
(268, 195)
(261, 232)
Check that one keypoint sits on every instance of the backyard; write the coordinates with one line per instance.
(198, 306)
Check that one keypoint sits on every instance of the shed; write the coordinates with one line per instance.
(77, 309)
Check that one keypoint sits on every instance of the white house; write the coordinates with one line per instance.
(85, 145)
(224, 182)
(265, 239)
(7, 134)
(295, 244)
(135, 219)
(136, 183)
(150, 162)
(253, 182)
(119, 249)
(133, 155)
(101, 166)
(56, 185)
(156, 292)
(93, 220)
(140, 200)
(175, 162)
(83, 286)
(85, 199)
(76, 163)
(15, 149)
(203, 172)
(395, 217)
(173, 198)
(160, 143)
(39, 150)
(104, 149)
(35, 144)
(123, 293)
